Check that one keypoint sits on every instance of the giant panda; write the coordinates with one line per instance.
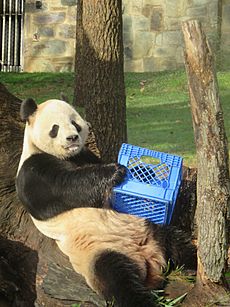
(66, 190)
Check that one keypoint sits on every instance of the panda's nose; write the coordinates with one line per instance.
(72, 138)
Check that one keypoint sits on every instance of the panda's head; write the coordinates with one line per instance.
(53, 127)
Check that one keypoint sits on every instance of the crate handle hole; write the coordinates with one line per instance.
(150, 160)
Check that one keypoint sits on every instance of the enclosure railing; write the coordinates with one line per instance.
(11, 34)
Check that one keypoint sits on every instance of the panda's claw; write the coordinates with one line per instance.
(119, 175)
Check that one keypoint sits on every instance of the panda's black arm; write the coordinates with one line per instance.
(48, 186)
(88, 186)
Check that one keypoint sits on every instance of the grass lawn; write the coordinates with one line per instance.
(158, 112)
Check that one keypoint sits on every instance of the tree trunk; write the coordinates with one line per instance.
(213, 183)
(99, 81)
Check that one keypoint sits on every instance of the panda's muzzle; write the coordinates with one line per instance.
(73, 143)
(72, 138)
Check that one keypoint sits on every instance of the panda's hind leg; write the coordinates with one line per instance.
(119, 278)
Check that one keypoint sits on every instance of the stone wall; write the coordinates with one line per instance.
(152, 32)
(49, 36)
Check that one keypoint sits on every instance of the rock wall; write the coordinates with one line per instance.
(49, 35)
(152, 32)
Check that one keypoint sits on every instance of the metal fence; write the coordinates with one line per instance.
(11, 34)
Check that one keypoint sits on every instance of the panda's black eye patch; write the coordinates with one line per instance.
(76, 126)
(54, 131)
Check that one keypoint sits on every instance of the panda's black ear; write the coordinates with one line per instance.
(28, 107)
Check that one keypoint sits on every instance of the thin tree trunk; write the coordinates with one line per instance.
(80, 79)
(213, 183)
(99, 82)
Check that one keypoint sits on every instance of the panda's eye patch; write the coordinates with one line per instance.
(54, 131)
(76, 126)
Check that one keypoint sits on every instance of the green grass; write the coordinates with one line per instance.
(161, 111)
(40, 86)
(158, 113)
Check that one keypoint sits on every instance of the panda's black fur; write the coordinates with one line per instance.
(67, 195)
(84, 182)
(83, 179)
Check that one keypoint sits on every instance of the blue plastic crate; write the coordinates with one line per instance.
(150, 190)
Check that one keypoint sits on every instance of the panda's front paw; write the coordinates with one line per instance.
(119, 175)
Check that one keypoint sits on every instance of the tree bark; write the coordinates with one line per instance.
(99, 81)
(213, 183)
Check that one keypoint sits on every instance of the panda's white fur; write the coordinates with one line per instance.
(83, 234)
(53, 112)
(65, 188)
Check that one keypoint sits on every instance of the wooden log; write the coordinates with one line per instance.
(213, 183)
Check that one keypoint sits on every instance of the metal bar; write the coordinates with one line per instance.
(15, 33)
(12, 22)
(12, 39)
(21, 32)
(1, 16)
(9, 37)
(3, 33)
